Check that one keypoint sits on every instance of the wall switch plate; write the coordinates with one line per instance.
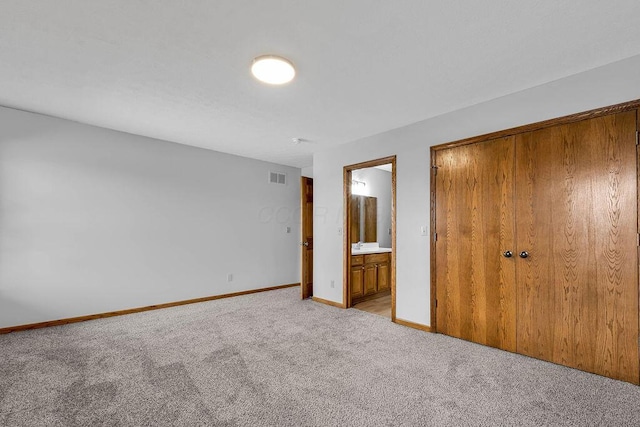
(333, 283)
(339, 231)
(229, 277)
(423, 230)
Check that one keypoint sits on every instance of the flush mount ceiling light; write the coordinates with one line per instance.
(272, 69)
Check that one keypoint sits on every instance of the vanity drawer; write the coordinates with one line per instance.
(371, 258)
(357, 260)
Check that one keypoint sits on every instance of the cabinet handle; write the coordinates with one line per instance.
(507, 254)
(524, 254)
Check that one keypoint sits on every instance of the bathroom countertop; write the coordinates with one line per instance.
(365, 251)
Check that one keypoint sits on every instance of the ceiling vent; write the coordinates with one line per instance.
(277, 178)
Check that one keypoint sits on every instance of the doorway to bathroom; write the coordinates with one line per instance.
(369, 236)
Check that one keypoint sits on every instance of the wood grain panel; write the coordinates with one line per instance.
(576, 216)
(475, 284)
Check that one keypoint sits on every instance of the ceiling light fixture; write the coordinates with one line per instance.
(273, 70)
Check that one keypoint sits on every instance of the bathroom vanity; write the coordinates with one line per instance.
(370, 272)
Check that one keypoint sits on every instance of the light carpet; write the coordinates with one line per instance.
(271, 359)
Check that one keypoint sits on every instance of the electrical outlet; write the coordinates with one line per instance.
(339, 231)
(333, 283)
(288, 230)
(229, 277)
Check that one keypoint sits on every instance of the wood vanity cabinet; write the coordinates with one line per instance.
(370, 279)
(370, 275)
(384, 276)
(357, 276)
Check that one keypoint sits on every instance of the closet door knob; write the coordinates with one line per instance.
(524, 254)
(507, 254)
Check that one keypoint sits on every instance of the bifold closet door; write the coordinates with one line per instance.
(476, 295)
(576, 217)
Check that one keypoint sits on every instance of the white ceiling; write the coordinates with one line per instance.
(179, 70)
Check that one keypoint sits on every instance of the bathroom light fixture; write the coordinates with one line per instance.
(273, 70)
(357, 187)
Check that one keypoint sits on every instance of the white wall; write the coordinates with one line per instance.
(611, 84)
(378, 185)
(307, 171)
(93, 220)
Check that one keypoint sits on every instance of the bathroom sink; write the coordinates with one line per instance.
(367, 248)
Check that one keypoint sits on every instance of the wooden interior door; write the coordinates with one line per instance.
(306, 208)
(576, 215)
(475, 291)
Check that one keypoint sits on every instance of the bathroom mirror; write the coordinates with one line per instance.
(364, 219)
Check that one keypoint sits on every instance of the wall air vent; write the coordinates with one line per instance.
(277, 178)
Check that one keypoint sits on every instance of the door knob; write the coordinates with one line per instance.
(524, 254)
(507, 254)
(305, 244)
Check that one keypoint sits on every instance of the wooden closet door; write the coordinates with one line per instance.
(576, 216)
(475, 289)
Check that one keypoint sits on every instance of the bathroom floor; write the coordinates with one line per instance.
(380, 306)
